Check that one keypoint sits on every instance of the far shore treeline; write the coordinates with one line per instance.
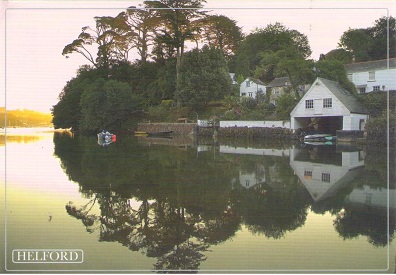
(24, 118)
(184, 57)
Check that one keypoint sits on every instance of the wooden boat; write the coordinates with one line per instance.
(319, 138)
(317, 143)
(104, 139)
(159, 133)
(106, 136)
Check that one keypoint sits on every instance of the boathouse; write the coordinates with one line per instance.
(327, 107)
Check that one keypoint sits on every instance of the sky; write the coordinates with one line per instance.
(34, 72)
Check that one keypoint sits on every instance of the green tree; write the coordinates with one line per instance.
(107, 104)
(109, 36)
(220, 32)
(273, 38)
(203, 77)
(358, 42)
(341, 55)
(175, 25)
(67, 112)
(286, 104)
(379, 33)
(286, 62)
(334, 70)
(142, 27)
(164, 85)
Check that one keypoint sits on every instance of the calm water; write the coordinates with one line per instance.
(144, 204)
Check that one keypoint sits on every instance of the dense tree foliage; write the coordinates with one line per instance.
(67, 112)
(286, 62)
(220, 32)
(203, 77)
(371, 43)
(107, 104)
(273, 38)
(334, 70)
(341, 55)
(176, 24)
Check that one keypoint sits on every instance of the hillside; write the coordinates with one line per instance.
(24, 118)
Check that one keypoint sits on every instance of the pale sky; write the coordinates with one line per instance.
(34, 71)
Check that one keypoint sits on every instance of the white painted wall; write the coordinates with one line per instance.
(382, 78)
(249, 88)
(352, 122)
(250, 124)
(352, 159)
(317, 93)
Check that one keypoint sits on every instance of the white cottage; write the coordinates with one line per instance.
(373, 75)
(328, 107)
(251, 87)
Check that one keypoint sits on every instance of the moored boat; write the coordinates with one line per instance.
(319, 137)
(106, 136)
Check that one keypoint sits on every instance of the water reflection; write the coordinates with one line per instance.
(174, 202)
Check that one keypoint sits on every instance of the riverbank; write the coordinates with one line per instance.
(273, 133)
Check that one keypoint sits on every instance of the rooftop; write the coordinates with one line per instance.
(370, 65)
(279, 82)
(344, 96)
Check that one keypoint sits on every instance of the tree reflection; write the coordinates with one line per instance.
(82, 213)
(373, 223)
(184, 257)
(172, 205)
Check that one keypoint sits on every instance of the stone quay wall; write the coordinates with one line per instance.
(248, 132)
(177, 128)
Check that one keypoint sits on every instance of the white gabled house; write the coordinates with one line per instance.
(373, 76)
(328, 107)
(251, 87)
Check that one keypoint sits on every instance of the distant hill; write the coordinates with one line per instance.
(24, 118)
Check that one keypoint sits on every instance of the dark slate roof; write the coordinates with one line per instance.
(279, 82)
(257, 81)
(370, 65)
(344, 96)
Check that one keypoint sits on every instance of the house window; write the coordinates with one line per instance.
(371, 76)
(376, 88)
(307, 174)
(309, 104)
(243, 94)
(362, 90)
(325, 177)
(350, 77)
(327, 103)
(250, 94)
(248, 83)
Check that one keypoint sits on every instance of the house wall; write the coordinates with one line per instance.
(382, 78)
(258, 124)
(276, 92)
(352, 122)
(250, 91)
(317, 93)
